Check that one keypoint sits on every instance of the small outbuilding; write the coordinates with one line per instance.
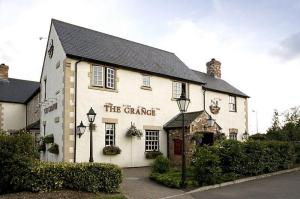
(197, 132)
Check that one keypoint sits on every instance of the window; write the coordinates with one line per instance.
(233, 136)
(109, 134)
(152, 140)
(110, 78)
(178, 87)
(177, 147)
(98, 75)
(102, 76)
(146, 80)
(232, 103)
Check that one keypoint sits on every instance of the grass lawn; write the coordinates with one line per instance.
(61, 194)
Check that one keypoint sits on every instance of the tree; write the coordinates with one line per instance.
(276, 126)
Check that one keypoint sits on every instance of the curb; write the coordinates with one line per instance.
(242, 180)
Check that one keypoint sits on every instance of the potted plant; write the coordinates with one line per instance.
(49, 139)
(133, 131)
(111, 150)
(54, 149)
(152, 154)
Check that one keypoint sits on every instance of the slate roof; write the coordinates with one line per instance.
(85, 43)
(219, 85)
(176, 122)
(79, 42)
(16, 90)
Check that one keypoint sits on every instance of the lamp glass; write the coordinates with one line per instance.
(91, 115)
(210, 122)
(183, 103)
(81, 129)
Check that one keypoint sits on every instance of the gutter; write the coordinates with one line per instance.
(75, 109)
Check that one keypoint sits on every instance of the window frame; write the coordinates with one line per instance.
(233, 136)
(102, 76)
(232, 105)
(107, 77)
(151, 146)
(110, 80)
(179, 89)
(113, 135)
(143, 81)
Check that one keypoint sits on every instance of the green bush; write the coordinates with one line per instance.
(297, 152)
(153, 154)
(170, 179)
(21, 172)
(16, 155)
(91, 177)
(161, 165)
(49, 139)
(206, 166)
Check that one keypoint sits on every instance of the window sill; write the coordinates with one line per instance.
(146, 88)
(232, 111)
(103, 89)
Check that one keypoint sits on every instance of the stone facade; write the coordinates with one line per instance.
(33, 110)
(199, 125)
(3, 72)
(68, 114)
(214, 68)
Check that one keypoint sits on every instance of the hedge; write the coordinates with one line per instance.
(232, 159)
(21, 172)
(90, 177)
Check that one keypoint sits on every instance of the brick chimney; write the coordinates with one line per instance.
(4, 72)
(214, 68)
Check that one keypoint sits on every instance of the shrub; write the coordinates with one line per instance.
(153, 154)
(21, 172)
(111, 150)
(206, 166)
(49, 139)
(161, 165)
(297, 152)
(258, 136)
(170, 179)
(54, 149)
(16, 155)
(91, 177)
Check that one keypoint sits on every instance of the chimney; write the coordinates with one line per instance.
(214, 68)
(3, 72)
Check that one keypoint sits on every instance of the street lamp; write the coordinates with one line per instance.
(183, 104)
(81, 129)
(210, 122)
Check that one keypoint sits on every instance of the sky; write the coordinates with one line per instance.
(257, 42)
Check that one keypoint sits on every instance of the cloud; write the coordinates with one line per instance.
(289, 48)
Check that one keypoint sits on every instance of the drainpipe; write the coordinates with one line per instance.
(75, 109)
(204, 100)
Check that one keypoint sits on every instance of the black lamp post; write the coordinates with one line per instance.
(183, 103)
(81, 129)
(210, 121)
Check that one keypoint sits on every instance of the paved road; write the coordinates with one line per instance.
(285, 186)
(136, 185)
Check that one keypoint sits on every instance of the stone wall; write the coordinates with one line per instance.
(33, 110)
(198, 125)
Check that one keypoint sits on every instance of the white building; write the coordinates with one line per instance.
(125, 83)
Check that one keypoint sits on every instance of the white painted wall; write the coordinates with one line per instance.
(225, 118)
(129, 93)
(14, 116)
(54, 93)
